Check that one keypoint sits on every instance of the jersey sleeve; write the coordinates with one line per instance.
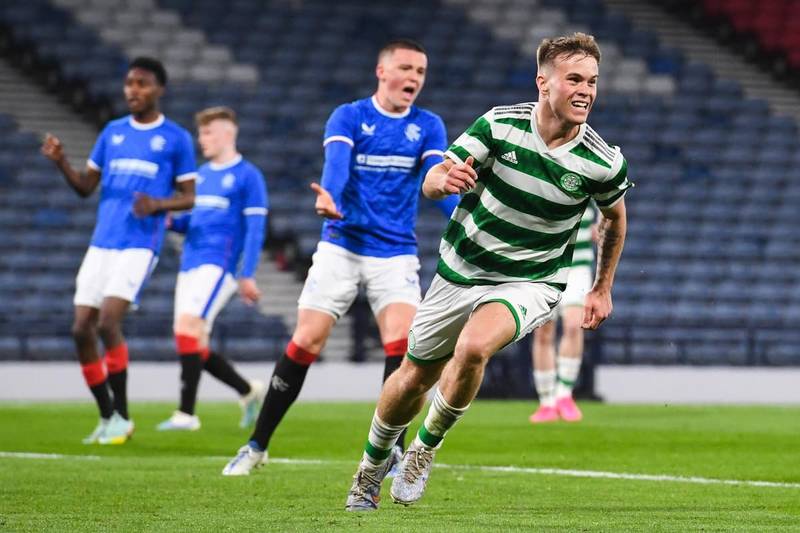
(613, 188)
(97, 159)
(341, 126)
(255, 212)
(184, 164)
(477, 142)
(435, 142)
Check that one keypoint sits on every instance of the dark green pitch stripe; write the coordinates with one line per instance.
(493, 262)
(530, 203)
(511, 233)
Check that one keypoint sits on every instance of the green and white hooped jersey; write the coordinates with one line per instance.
(584, 246)
(521, 221)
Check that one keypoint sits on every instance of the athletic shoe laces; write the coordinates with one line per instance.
(418, 463)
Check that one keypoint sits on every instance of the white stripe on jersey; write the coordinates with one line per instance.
(213, 201)
(255, 211)
(342, 138)
(428, 153)
(140, 167)
(386, 160)
(186, 177)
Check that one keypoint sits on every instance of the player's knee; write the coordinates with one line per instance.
(472, 351)
(83, 331)
(309, 340)
(545, 335)
(109, 329)
(189, 325)
(572, 331)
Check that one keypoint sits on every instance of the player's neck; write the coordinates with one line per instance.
(146, 117)
(383, 104)
(226, 156)
(553, 130)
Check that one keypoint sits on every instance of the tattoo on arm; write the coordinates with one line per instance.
(609, 248)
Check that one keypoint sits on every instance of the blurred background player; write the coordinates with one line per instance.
(553, 376)
(224, 236)
(145, 167)
(538, 165)
(376, 152)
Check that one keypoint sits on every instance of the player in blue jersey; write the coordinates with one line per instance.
(224, 235)
(376, 152)
(144, 165)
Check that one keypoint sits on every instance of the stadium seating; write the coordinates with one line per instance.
(707, 274)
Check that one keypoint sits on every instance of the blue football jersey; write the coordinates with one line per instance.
(379, 200)
(137, 158)
(226, 196)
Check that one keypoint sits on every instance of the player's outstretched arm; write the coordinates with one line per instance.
(83, 183)
(183, 199)
(612, 228)
(449, 177)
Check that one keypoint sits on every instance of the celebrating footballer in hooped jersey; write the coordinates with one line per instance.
(145, 167)
(224, 236)
(376, 152)
(527, 173)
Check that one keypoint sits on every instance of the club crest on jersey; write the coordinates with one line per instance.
(413, 132)
(157, 143)
(227, 180)
(368, 130)
(570, 182)
(117, 139)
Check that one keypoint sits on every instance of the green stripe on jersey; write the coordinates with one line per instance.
(582, 151)
(490, 261)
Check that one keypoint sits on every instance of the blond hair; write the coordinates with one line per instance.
(577, 43)
(206, 116)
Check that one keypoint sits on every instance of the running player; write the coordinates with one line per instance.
(145, 167)
(376, 152)
(555, 388)
(504, 256)
(224, 236)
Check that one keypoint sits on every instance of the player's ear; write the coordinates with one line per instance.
(541, 84)
(379, 70)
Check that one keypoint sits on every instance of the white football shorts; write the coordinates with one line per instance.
(107, 272)
(335, 273)
(203, 292)
(579, 282)
(447, 307)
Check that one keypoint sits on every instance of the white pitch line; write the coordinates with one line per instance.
(30, 455)
(479, 468)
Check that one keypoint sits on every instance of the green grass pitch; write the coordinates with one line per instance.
(172, 482)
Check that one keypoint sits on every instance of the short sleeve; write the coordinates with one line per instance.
(610, 191)
(477, 141)
(341, 125)
(256, 200)
(435, 140)
(97, 159)
(184, 164)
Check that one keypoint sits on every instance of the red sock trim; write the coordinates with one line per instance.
(94, 373)
(396, 348)
(186, 345)
(205, 353)
(117, 358)
(299, 355)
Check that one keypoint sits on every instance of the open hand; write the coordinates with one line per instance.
(325, 206)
